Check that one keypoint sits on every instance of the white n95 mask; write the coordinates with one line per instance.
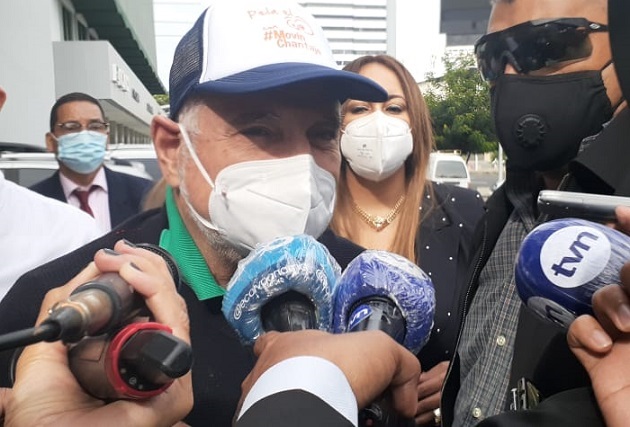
(258, 201)
(376, 145)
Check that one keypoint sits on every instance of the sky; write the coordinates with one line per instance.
(419, 44)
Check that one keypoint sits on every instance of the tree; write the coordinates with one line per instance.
(459, 103)
(162, 99)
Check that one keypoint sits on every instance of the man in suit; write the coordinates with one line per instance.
(78, 137)
(250, 153)
(35, 229)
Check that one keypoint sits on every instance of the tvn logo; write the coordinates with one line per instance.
(575, 255)
(359, 315)
(578, 249)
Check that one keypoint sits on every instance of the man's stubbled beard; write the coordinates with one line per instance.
(223, 248)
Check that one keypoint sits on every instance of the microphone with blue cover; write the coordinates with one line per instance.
(561, 263)
(380, 290)
(284, 285)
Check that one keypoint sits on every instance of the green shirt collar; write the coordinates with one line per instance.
(180, 244)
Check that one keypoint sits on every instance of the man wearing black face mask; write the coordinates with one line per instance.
(562, 121)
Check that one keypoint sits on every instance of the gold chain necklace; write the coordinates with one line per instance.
(379, 222)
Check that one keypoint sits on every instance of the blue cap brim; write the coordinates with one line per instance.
(339, 84)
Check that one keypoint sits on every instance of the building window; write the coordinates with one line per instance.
(83, 32)
(68, 24)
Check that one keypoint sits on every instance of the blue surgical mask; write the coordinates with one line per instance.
(82, 152)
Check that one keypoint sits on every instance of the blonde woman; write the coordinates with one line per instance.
(385, 202)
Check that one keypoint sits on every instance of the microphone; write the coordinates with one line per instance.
(114, 359)
(139, 361)
(380, 290)
(561, 263)
(110, 357)
(283, 285)
(101, 305)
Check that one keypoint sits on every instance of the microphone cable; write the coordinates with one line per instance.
(44, 332)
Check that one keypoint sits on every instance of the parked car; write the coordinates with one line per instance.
(448, 168)
(138, 155)
(29, 168)
(15, 147)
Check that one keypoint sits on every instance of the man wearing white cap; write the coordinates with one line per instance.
(250, 153)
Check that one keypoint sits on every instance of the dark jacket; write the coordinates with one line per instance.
(221, 362)
(541, 353)
(443, 250)
(125, 193)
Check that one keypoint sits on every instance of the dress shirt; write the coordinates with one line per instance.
(313, 375)
(98, 198)
(487, 341)
(35, 229)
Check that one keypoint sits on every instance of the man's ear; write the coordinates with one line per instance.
(51, 143)
(165, 135)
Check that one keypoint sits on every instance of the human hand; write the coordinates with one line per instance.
(430, 393)
(46, 392)
(371, 361)
(602, 345)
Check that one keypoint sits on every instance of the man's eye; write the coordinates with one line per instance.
(71, 126)
(96, 126)
(324, 137)
(256, 131)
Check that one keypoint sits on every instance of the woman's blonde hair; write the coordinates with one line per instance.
(415, 166)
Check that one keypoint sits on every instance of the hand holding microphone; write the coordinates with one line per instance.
(601, 343)
(44, 383)
(370, 360)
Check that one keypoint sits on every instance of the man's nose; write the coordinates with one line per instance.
(298, 144)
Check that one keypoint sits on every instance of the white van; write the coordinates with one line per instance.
(448, 168)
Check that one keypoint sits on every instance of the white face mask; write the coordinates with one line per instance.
(258, 201)
(376, 145)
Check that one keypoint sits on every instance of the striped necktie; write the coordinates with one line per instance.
(83, 197)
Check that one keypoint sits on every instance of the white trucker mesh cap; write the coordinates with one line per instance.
(246, 46)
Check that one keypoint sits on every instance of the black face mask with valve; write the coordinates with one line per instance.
(541, 121)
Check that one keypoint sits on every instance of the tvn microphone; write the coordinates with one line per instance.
(561, 263)
(380, 290)
(284, 285)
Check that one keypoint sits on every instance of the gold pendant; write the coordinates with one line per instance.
(379, 222)
(375, 221)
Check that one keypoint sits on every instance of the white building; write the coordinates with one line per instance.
(353, 27)
(105, 48)
(406, 29)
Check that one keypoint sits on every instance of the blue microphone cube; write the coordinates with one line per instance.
(297, 264)
(563, 262)
(379, 278)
